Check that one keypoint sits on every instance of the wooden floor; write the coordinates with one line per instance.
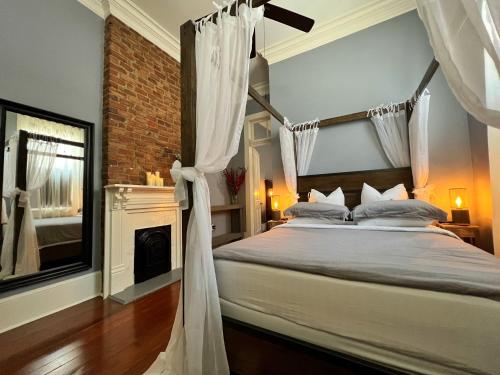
(94, 337)
(105, 337)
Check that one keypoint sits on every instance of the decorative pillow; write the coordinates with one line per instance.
(394, 222)
(410, 208)
(335, 197)
(369, 194)
(318, 210)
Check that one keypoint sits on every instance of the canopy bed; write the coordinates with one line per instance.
(265, 295)
(46, 195)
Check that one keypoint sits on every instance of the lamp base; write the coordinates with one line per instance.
(276, 215)
(460, 216)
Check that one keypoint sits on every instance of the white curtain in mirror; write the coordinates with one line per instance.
(222, 66)
(288, 159)
(50, 128)
(464, 35)
(392, 130)
(9, 174)
(62, 194)
(40, 161)
(419, 147)
(305, 140)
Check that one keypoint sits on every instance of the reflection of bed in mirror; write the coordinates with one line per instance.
(59, 240)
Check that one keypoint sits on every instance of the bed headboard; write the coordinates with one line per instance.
(352, 183)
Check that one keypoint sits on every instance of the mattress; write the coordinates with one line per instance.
(58, 230)
(415, 330)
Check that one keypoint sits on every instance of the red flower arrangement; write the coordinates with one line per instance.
(234, 179)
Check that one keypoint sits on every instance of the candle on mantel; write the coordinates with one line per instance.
(149, 178)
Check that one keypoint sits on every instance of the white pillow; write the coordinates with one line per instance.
(369, 194)
(335, 197)
(394, 222)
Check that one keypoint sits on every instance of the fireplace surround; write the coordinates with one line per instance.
(130, 211)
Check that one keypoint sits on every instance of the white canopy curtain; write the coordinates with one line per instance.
(464, 35)
(305, 138)
(288, 159)
(222, 69)
(419, 146)
(40, 161)
(50, 128)
(390, 124)
(62, 194)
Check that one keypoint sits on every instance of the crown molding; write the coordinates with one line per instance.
(135, 18)
(99, 7)
(360, 18)
(375, 12)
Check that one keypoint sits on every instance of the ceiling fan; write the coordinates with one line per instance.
(286, 17)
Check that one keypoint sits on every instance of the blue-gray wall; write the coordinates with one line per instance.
(51, 57)
(381, 64)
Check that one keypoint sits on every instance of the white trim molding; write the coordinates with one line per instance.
(138, 20)
(99, 7)
(346, 24)
(25, 307)
(349, 23)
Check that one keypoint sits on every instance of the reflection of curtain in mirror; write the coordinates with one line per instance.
(40, 161)
(62, 195)
(9, 174)
(50, 128)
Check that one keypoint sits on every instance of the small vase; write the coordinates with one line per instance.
(233, 198)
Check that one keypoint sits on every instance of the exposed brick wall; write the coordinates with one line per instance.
(141, 107)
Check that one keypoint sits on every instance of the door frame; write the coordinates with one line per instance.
(250, 142)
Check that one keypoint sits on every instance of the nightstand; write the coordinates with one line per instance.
(272, 223)
(468, 233)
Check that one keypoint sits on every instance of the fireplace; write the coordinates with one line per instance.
(153, 252)
(142, 221)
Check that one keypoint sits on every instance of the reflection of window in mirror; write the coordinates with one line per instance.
(42, 195)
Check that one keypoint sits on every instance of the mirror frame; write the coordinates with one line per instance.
(88, 172)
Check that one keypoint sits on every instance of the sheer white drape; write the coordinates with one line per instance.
(288, 159)
(419, 146)
(62, 195)
(50, 128)
(305, 138)
(222, 69)
(464, 35)
(9, 173)
(392, 130)
(40, 161)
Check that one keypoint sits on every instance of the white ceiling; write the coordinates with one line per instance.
(170, 14)
(160, 20)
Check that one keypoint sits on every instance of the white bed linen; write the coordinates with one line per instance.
(417, 330)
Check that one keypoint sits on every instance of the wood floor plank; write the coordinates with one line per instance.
(94, 337)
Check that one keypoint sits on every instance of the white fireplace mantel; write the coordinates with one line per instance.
(128, 208)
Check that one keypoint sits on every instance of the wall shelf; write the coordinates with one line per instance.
(236, 233)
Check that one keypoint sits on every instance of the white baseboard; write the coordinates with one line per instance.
(26, 307)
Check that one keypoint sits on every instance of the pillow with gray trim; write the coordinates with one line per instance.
(410, 208)
(318, 210)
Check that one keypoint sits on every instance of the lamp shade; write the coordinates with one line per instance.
(458, 199)
(275, 202)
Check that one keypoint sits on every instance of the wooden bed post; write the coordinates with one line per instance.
(188, 120)
(22, 161)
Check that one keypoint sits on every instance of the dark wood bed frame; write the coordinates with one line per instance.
(250, 349)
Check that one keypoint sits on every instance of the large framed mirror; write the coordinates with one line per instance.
(46, 204)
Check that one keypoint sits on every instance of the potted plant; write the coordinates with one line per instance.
(234, 180)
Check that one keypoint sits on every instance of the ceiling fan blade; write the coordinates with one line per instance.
(288, 17)
(254, 49)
